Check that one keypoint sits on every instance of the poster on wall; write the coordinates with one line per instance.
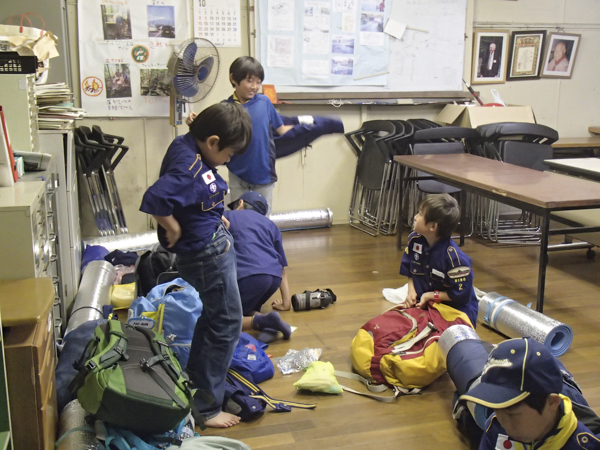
(324, 43)
(124, 48)
(218, 21)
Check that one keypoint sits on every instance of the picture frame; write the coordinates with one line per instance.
(489, 67)
(526, 51)
(564, 47)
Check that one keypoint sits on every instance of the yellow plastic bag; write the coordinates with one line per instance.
(319, 377)
(122, 295)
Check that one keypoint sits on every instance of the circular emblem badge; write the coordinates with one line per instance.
(213, 187)
(92, 86)
(140, 54)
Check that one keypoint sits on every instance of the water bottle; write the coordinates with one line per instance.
(313, 299)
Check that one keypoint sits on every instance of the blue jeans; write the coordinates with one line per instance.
(212, 272)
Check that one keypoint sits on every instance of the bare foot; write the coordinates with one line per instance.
(222, 420)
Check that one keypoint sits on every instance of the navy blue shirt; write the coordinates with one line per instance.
(257, 164)
(257, 242)
(191, 191)
(443, 267)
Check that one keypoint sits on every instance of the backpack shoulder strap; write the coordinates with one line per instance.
(256, 392)
(162, 357)
(397, 390)
(114, 354)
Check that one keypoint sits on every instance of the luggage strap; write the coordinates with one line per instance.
(372, 387)
(258, 393)
(109, 358)
(400, 348)
(162, 356)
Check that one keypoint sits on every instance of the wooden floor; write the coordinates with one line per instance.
(357, 267)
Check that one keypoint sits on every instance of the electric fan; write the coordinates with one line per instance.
(193, 72)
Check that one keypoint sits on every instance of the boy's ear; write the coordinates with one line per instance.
(434, 227)
(231, 80)
(213, 142)
(554, 401)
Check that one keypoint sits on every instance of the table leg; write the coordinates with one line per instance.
(543, 261)
(400, 207)
(463, 204)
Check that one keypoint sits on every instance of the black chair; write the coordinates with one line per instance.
(525, 145)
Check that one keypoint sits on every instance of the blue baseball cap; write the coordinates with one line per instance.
(516, 369)
(254, 199)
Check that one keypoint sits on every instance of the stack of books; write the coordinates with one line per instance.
(55, 107)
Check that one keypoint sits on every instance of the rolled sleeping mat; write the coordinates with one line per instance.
(514, 320)
(94, 293)
(74, 431)
(125, 242)
(300, 220)
(466, 355)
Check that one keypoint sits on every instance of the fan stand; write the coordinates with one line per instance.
(176, 109)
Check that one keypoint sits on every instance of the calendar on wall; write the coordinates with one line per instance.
(218, 21)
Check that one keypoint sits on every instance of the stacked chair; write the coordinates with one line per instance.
(375, 203)
(98, 154)
(522, 144)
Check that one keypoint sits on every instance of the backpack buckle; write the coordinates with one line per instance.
(91, 365)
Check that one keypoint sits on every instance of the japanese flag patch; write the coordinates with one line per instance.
(417, 248)
(209, 177)
(504, 443)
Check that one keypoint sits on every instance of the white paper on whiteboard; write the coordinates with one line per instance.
(395, 28)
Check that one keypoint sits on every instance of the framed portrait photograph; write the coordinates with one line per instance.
(526, 51)
(560, 55)
(489, 56)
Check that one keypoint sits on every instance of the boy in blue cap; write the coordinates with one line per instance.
(187, 202)
(261, 264)
(437, 269)
(522, 382)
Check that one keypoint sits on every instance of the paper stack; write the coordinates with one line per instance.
(55, 106)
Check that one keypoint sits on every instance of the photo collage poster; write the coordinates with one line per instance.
(324, 43)
(124, 49)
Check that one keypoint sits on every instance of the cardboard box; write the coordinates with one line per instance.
(473, 116)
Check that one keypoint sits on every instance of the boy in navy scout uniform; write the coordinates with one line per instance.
(522, 382)
(255, 170)
(187, 202)
(436, 268)
(261, 264)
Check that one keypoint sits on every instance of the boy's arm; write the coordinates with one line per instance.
(427, 296)
(284, 129)
(171, 226)
(285, 303)
(411, 297)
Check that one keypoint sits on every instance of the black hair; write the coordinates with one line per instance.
(244, 67)
(229, 121)
(537, 402)
(442, 209)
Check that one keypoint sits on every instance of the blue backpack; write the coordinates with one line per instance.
(172, 310)
(250, 359)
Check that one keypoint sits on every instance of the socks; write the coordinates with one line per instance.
(272, 320)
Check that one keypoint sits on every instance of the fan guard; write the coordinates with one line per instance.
(194, 69)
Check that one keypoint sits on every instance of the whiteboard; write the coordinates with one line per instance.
(428, 57)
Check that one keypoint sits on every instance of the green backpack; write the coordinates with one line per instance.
(129, 377)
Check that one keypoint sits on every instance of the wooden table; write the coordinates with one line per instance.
(594, 130)
(541, 193)
(585, 167)
(583, 145)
